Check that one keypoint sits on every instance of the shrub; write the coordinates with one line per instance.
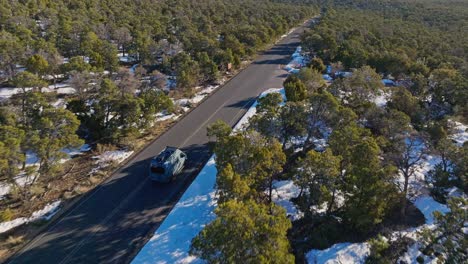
(6, 215)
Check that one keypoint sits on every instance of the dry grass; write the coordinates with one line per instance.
(15, 240)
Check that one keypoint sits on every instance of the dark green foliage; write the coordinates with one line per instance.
(317, 64)
(294, 88)
(245, 232)
(212, 33)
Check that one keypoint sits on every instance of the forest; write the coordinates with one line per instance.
(364, 147)
(368, 132)
(105, 77)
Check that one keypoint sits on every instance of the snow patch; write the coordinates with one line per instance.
(427, 205)
(171, 242)
(163, 117)
(342, 253)
(297, 61)
(382, 99)
(283, 192)
(111, 156)
(46, 214)
(460, 133)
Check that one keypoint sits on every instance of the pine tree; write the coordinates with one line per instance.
(245, 232)
(292, 117)
(368, 187)
(11, 154)
(294, 88)
(318, 180)
(266, 119)
(321, 113)
(56, 130)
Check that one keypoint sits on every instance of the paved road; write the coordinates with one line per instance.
(113, 222)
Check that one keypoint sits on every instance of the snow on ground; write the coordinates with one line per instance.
(342, 253)
(427, 205)
(283, 192)
(298, 61)
(419, 194)
(114, 155)
(171, 242)
(125, 59)
(60, 88)
(46, 214)
(22, 180)
(460, 133)
(382, 99)
(109, 157)
(163, 117)
(197, 98)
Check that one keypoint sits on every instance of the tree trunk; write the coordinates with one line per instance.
(332, 202)
(270, 190)
(405, 192)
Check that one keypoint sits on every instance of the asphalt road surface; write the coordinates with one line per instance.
(111, 223)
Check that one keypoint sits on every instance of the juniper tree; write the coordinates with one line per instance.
(318, 178)
(245, 232)
(294, 88)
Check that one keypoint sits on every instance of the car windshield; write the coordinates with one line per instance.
(159, 170)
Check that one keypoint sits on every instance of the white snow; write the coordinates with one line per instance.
(197, 98)
(419, 194)
(46, 213)
(59, 88)
(297, 62)
(21, 180)
(114, 155)
(171, 242)
(77, 151)
(32, 160)
(460, 133)
(125, 59)
(163, 117)
(342, 253)
(427, 205)
(283, 192)
(382, 99)
(109, 157)
(253, 109)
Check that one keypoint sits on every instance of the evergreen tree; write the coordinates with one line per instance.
(312, 79)
(37, 64)
(292, 123)
(369, 191)
(266, 120)
(245, 232)
(406, 153)
(11, 155)
(318, 179)
(56, 130)
(294, 88)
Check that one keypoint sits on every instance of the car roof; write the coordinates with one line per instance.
(165, 154)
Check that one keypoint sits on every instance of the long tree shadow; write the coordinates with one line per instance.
(243, 104)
